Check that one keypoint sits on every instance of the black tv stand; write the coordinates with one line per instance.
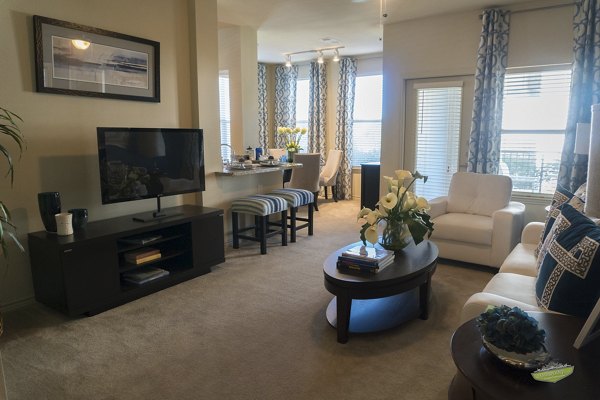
(85, 273)
(156, 215)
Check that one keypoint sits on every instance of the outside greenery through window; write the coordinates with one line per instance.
(366, 130)
(533, 126)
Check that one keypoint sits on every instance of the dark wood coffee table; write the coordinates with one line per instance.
(483, 377)
(374, 302)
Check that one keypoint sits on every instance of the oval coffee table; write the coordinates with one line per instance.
(374, 302)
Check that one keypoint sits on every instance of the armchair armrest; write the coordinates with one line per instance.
(506, 230)
(438, 206)
(532, 233)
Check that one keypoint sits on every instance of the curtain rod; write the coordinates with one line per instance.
(539, 8)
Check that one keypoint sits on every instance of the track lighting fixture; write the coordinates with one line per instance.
(320, 57)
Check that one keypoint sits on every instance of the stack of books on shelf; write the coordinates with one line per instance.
(364, 259)
(145, 275)
(142, 255)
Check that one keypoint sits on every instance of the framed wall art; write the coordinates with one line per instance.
(84, 61)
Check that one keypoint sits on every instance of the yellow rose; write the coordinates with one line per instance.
(303, 131)
(423, 204)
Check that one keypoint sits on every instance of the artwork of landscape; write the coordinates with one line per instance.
(101, 64)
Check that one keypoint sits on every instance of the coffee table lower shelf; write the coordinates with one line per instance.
(374, 315)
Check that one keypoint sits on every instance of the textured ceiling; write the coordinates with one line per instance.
(295, 25)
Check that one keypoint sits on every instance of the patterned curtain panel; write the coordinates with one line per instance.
(344, 121)
(263, 129)
(484, 142)
(285, 99)
(585, 89)
(317, 109)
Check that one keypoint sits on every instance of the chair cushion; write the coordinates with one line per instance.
(569, 277)
(295, 197)
(513, 286)
(480, 194)
(259, 204)
(463, 227)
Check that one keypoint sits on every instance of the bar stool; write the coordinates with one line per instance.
(261, 206)
(297, 198)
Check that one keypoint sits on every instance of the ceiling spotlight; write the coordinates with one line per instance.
(336, 56)
(320, 58)
(80, 44)
(288, 61)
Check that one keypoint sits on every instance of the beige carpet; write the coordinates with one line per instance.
(254, 328)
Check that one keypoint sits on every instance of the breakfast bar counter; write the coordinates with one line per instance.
(256, 169)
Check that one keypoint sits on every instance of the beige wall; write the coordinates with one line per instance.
(446, 46)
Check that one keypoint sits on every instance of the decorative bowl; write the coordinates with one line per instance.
(527, 361)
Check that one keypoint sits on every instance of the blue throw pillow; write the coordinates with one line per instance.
(569, 277)
(561, 196)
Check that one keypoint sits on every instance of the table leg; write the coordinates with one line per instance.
(424, 298)
(344, 305)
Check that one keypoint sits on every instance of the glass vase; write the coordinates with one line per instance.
(396, 235)
(290, 156)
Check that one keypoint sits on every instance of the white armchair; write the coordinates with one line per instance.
(477, 222)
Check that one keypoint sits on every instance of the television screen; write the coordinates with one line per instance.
(141, 163)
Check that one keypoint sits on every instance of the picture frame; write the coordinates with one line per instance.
(591, 328)
(80, 60)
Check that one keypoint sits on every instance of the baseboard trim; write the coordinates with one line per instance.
(17, 304)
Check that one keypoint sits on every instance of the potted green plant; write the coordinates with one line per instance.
(513, 336)
(10, 129)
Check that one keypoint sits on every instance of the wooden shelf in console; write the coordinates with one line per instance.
(81, 273)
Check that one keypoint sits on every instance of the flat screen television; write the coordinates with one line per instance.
(142, 163)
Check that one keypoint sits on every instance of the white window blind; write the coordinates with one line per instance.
(225, 114)
(366, 130)
(302, 97)
(533, 123)
(438, 137)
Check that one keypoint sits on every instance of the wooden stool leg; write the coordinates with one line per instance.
(284, 227)
(310, 219)
(325, 191)
(257, 226)
(234, 223)
(315, 203)
(262, 231)
(334, 193)
(293, 211)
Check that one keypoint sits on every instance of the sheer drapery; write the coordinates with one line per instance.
(285, 99)
(344, 121)
(263, 129)
(486, 126)
(585, 89)
(317, 102)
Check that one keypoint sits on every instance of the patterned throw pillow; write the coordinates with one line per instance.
(561, 196)
(569, 278)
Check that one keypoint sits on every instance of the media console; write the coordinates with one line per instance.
(83, 273)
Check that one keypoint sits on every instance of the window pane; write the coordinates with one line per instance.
(438, 135)
(225, 114)
(533, 123)
(302, 110)
(366, 132)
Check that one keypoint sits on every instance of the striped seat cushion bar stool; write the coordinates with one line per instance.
(298, 198)
(261, 206)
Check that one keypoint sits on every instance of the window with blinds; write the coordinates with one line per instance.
(534, 119)
(366, 129)
(225, 114)
(302, 96)
(438, 136)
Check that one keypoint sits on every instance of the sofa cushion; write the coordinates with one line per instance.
(464, 227)
(480, 194)
(521, 260)
(561, 196)
(513, 286)
(569, 277)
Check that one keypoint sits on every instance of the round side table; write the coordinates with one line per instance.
(483, 377)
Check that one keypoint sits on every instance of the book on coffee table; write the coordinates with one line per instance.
(368, 254)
